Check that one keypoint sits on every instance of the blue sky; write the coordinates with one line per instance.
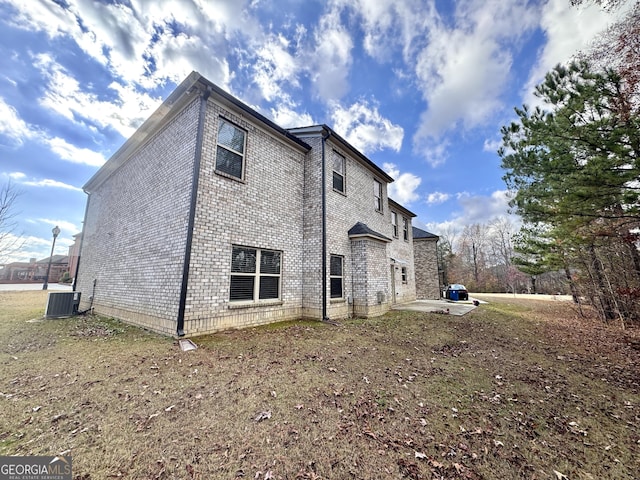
(421, 87)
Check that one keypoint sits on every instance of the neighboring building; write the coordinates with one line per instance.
(74, 254)
(425, 247)
(35, 271)
(211, 217)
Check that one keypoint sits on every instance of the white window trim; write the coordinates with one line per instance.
(394, 224)
(342, 174)
(341, 276)
(222, 120)
(256, 284)
(405, 229)
(378, 195)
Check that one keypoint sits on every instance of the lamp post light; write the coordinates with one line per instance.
(56, 232)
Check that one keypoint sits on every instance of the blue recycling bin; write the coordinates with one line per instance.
(453, 295)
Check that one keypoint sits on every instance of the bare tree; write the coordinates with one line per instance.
(10, 240)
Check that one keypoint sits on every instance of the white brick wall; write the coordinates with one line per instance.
(402, 251)
(426, 259)
(136, 230)
(136, 226)
(263, 211)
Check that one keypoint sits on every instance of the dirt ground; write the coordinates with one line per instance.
(517, 388)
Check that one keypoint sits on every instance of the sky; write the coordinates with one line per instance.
(421, 87)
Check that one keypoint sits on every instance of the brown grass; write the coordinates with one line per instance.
(515, 389)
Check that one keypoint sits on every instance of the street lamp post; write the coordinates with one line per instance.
(56, 232)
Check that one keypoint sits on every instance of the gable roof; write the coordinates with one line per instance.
(181, 96)
(418, 233)
(325, 131)
(362, 230)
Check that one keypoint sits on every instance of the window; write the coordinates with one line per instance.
(404, 274)
(338, 172)
(336, 276)
(230, 152)
(377, 193)
(394, 223)
(405, 228)
(255, 274)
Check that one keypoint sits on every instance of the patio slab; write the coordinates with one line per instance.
(438, 306)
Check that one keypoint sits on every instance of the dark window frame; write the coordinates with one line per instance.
(403, 274)
(405, 228)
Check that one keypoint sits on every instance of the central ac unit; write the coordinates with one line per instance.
(62, 304)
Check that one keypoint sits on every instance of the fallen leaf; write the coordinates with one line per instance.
(168, 409)
(420, 455)
(263, 416)
(560, 476)
(498, 443)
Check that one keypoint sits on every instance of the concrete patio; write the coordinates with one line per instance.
(447, 307)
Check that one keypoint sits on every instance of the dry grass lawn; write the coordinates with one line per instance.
(514, 389)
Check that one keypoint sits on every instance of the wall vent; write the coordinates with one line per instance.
(62, 304)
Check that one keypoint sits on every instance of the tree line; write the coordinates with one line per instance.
(572, 164)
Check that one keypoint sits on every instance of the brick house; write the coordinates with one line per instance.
(212, 217)
(35, 271)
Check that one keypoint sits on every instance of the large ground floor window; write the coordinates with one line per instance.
(255, 274)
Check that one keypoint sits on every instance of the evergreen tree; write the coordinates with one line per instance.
(574, 163)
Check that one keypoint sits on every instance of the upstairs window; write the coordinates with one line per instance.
(338, 172)
(394, 223)
(404, 274)
(377, 193)
(230, 151)
(405, 228)
(255, 274)
(336, 276)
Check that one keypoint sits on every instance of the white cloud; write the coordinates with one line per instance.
(66, 228)
(568, 29)
(403, 189)
(12, 126)
(481, 209)
(332, 57)
(475, 209)
(436, 198)
(288, 118)
(18, 130)
(16, 175)
(65, 95)
(146, 42)
(47, 182)
(491, 145)
(365, 128)
(463, 70)
(387, 24)
(73, 154)
(274, 67)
